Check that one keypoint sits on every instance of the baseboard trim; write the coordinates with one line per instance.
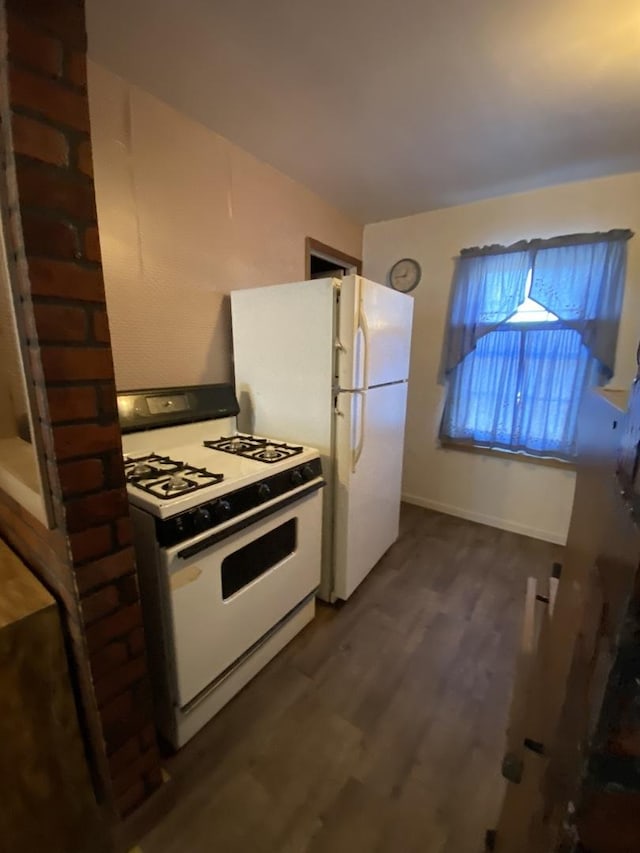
(489, 520)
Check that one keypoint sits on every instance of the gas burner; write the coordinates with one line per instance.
(235, 445)
(150, 466)
(140, 469)
(260, 449)
(165, 478)
(271, 454)
(177, 483)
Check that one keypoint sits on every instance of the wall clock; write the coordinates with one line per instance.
(405, 275)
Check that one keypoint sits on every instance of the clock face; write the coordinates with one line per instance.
(405, 275)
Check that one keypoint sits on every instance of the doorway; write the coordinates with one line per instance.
(324, 261)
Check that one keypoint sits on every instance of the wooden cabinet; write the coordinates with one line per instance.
(47, 797)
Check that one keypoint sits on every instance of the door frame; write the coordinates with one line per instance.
(328, 253)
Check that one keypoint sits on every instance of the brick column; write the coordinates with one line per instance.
(48, 207)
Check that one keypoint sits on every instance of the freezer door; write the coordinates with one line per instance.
(369, 445)
(374, 334)
(283, 346)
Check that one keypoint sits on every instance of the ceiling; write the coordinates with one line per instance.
(386, 109)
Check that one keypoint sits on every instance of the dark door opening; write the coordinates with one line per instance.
(324, 261)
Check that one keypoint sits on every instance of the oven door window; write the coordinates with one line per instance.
(246, 564)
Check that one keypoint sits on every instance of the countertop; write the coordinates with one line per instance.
(22, 594)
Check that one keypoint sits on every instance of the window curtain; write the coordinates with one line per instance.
(519, 386)
(480, 407)
(583, 285)
(486, 291)
(520, 390)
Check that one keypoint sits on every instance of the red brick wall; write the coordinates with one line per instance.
(87, 560)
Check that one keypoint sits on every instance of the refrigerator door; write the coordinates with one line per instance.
(374, 333)
(369, 446)
(283, 345)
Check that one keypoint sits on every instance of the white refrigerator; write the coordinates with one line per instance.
(325, 363)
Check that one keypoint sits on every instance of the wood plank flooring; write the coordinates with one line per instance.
(380, 728)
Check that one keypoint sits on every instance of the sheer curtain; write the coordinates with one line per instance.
(518, 385)
(481, 403)
(583, 285)
(486, 291)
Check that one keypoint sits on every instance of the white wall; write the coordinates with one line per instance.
(520, 496)
(185, 217)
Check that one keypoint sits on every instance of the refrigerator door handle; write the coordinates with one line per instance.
(364, 328)
(356, 452)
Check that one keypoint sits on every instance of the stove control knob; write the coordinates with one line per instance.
(223, 510)
(201, 519)
(296, 478)
(308, 473)
(264, 491)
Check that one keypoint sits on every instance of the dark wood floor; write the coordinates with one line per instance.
(380, 728)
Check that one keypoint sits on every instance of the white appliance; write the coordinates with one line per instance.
(228, 539)
(326, 363)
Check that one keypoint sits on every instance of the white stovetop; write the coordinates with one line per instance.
(185, 444)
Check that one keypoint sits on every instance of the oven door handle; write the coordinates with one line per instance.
(198, 547)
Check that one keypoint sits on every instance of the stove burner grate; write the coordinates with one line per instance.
(166, 478)
(149, 467)
(250, 447)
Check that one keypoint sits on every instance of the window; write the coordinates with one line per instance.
(531, 311)
(528, 330)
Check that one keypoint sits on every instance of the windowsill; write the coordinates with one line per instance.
(495, 453)
(618, 397)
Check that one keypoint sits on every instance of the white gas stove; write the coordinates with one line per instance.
(227, 533)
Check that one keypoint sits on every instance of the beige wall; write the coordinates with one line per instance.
(518, 496)
(185, 217)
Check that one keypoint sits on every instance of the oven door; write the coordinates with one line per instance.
(229, 594)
